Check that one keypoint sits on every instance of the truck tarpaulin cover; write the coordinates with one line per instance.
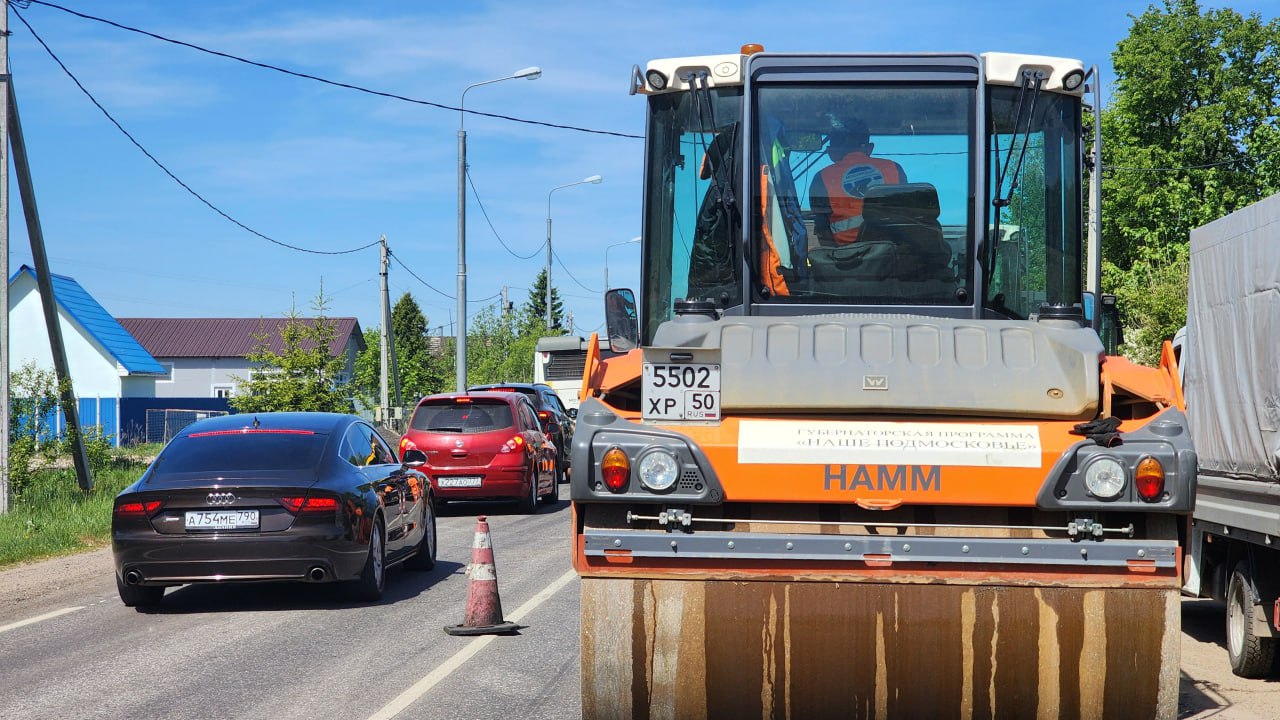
(1232, 352)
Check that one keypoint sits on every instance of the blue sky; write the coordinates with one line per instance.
(331, 169)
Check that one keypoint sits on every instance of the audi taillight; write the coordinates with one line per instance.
(615, 466)
(138, 509)
(296, 505)
(1149, 479)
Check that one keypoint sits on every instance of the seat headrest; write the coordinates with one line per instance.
(919, 200)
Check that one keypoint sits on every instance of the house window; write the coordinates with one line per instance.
(167, 377)
(223, 391)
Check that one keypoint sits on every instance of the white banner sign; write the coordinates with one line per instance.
(829, 442)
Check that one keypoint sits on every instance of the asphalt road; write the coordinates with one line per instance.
(69, 649)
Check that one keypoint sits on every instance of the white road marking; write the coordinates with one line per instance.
(443, 670)
(38, 618)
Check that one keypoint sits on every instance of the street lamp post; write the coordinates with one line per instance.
(532, 73)
(594, 180)
(606, 258)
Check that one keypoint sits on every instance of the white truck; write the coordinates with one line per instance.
(1231, 380)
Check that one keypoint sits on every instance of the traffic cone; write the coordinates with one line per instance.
(484, 608)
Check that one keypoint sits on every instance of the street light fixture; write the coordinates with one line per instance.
(606, 258)
(531, 73)
(594, 180)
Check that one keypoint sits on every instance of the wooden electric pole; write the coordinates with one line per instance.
(26, 189)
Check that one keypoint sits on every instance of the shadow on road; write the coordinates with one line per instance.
(402, 584)
(1199, 699)
(1205, 620)
(464, 508)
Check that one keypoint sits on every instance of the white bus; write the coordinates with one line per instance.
(559, 362)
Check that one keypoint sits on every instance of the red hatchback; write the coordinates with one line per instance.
(484, 446)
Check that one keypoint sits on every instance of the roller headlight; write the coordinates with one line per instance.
(1105, 477)
(658, 470)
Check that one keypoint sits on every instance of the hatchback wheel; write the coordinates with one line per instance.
(529, 503)
(373, 577)
(424, 558)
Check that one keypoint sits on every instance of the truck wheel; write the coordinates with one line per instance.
(1251, 656)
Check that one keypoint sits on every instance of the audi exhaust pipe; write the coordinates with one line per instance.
(316, 574)
(133, 577)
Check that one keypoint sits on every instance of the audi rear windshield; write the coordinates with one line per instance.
(239, 451)
(464, 415)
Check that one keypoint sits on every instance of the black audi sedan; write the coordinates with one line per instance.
(311, 497)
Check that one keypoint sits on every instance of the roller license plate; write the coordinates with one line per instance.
(681, 391)
(466, 481)
(222, 519)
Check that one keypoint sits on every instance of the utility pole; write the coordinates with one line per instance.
(384, 404)
(504, 301)
(26, 189)
(4, 260)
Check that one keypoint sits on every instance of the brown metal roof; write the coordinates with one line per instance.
(223, 337)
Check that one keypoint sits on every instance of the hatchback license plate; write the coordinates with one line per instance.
(222, 519)
(459, 482)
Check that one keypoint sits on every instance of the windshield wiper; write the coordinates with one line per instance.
(1031, 80)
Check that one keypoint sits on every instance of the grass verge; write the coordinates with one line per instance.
(53, 517)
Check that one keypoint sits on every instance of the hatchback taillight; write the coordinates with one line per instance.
(138, 509)
(312, 504)
(515, 444)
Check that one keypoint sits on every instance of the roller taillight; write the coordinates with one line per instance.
(616, 469)
(1149, 479)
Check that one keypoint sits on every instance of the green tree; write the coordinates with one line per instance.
(1192, 133)
(421, 371)
(33, 396)
(500, 348)
(535, 309)
(366, 376)
(302, 376)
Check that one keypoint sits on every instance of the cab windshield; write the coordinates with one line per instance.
(861, 194)
(858, 194)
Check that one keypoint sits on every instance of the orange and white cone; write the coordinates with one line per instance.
(484, 607)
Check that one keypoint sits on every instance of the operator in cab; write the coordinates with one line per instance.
(837, 190)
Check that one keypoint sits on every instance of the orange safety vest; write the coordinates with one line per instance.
(770, 262)
(846, 181)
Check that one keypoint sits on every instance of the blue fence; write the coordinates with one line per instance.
(133, 413)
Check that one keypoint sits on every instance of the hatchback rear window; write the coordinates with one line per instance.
(208, 452)
(462, 417)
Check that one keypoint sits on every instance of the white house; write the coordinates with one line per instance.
(105, 362)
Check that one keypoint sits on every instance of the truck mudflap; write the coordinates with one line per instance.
(704, 648)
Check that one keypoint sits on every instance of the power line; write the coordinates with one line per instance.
(161, 165)
(1191, 167)
(570, 274)
(475, 193)
(316, 78)
(438, 291)
(417, 277)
